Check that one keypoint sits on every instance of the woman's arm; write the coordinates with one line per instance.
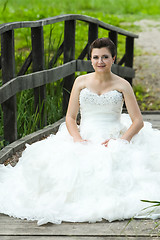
(133, 110)
(72, 111)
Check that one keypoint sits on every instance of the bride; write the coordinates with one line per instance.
(103, 81)
(101, 169)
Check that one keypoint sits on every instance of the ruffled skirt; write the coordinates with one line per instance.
(58, 180)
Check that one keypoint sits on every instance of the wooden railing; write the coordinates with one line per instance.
(40, 77)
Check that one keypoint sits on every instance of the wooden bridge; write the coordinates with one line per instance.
(16, 229)
(40, 77)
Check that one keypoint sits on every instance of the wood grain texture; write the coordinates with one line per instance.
(8, 72)
(75, 238)
(25, 24)
(35, 80)
(69, 55)
(138, 228)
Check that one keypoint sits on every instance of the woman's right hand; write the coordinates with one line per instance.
(105, 143)
(79, 140)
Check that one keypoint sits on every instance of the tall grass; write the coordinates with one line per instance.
(37, 9)
(29, 119)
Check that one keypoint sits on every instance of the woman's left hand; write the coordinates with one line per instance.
(105, 143)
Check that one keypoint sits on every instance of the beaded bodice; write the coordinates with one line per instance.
(108, 103)
(100, 112)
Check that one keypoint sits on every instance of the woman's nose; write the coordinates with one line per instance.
(100, 59)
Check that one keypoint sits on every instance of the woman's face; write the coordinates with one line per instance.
(102, 59)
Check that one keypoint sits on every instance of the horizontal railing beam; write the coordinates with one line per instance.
(46, 21)
(38, 79)
(116, 69)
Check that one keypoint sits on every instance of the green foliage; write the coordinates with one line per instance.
(146, 98)
(19, 10)
(28, 119)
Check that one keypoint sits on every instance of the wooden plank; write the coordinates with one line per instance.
(26, 65)
(56, 56)
(114, 37)
(25, 24)
(84, 52)
(92, 35)
(85, 66)
(38, 65)
(74, 238)
(8, 72)
(140, 228)
(152, 117)
(125, 72)
(51, 75)
(119, 70)
(129, 55)
(35, 80)
(69, 55)
(122, 60)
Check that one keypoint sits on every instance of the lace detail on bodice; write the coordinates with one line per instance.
(100, 114)
(111, 97)
(111, 101)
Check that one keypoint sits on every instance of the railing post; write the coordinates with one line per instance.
(92, 34)
(38, 65)
(114, 37)
(69, 55)
(129, 55)
(8, 72)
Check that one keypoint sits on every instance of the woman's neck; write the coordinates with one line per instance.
(104, 77)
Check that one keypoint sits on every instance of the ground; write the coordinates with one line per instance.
(148, 62)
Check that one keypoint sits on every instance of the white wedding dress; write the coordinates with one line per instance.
(58, 180)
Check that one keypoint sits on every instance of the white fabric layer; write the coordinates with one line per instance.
(58, 180)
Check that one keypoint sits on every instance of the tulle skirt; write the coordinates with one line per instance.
(58, 180)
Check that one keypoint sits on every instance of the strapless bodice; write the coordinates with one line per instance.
(100, 112)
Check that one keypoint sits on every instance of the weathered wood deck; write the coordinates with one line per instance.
(154, 118)
(16, 229)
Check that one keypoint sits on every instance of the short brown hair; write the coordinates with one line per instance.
(103, 42)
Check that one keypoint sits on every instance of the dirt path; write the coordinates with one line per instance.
(148, 64)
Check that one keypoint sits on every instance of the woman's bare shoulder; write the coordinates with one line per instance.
(122, 84)
(82, 81)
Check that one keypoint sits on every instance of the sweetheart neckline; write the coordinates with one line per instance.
(99, 95)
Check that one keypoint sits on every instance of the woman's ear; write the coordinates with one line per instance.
(114, 58)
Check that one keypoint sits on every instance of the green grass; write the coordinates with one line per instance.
(19, 10)
(119, 13)
(146, 98)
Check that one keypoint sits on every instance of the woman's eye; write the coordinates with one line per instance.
(105, 57)
(95, 57)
